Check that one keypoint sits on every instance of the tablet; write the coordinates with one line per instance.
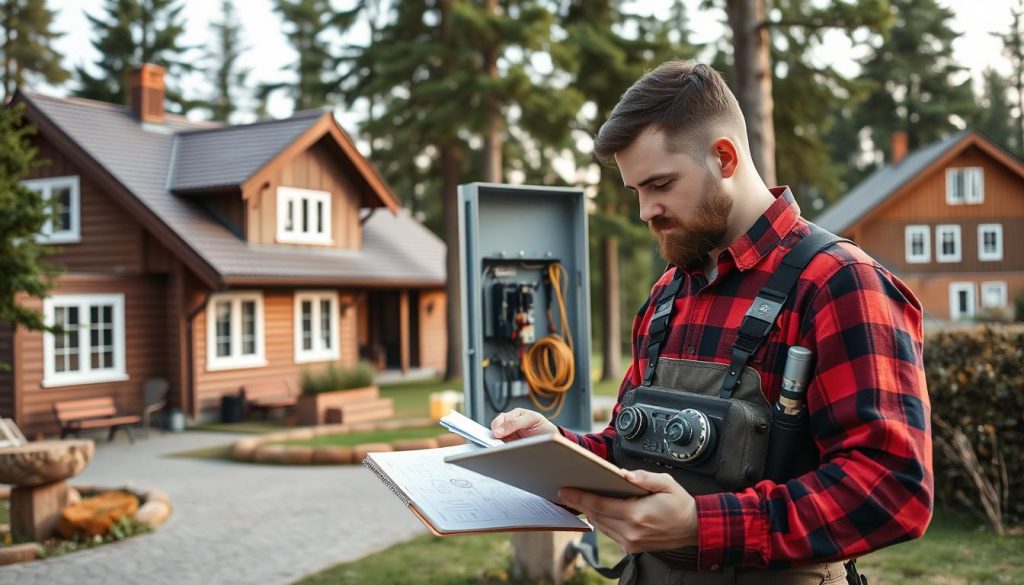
(543, 464)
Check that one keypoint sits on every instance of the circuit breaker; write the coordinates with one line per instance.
(525, 302)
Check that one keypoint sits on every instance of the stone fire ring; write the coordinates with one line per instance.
(154, 510)
(261, 450)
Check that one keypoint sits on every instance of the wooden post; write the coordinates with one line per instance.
(36, 510)
(403, 324)
(542, 556)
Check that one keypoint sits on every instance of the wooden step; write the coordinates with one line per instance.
(382, 408)
(357, 395)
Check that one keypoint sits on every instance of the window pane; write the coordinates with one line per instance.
(223, 328)
(307, 325)
(962, 296)
(320, 217)
(66, 345)
(101, 336)
(305, 215)
(289, 219)
(248, 327)
(62, 203)
(325, 323)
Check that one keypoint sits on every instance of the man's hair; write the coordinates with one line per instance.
(682, 99)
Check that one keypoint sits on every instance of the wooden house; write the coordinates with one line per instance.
(211, 256)
(948, 219)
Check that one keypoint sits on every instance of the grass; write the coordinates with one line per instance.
(5, 510)
(255, 427)
(953, 552)
(412, 399)
(351, 439)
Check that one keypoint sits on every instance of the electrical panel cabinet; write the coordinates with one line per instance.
(525, 286)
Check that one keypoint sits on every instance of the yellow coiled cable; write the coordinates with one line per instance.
(549, 366)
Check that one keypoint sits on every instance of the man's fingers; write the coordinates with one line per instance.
(652, 482)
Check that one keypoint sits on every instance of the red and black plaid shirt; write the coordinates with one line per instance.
(868, 403)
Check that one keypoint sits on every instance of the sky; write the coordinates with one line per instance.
(268, 54)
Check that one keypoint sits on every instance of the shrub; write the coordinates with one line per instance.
(976, 381)
(335, 378)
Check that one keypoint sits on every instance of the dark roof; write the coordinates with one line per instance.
(395, 248)
(885, 181)
(226, 157)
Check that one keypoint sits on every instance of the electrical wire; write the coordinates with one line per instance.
(549, 365)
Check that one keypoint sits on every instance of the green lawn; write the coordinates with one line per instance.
(351, 439)
(953, 552)
(412, 399)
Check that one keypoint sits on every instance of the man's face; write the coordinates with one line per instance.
(681, 201)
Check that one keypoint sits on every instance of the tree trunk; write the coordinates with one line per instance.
(492, 133)
(451, 163)
(752, 76)
(611, 335)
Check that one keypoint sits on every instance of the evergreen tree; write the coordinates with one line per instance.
(310, 24)
(28, 44)
(23, 212)
(602, 36)
(437, 99)
(915, 69)
(225, 74)
(1013, 49)
(997, 111)
(129, 34)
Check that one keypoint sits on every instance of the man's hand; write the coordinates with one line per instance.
(664, 520)
(520, 423)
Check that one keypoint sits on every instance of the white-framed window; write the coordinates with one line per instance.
(89, 348)
(965, 185)
(990, 241)
(918, 244)
(961, 300)
(65, 226)
(993, 295)
(316, 326)
(303, 216)
(947, 243)
(234, 331)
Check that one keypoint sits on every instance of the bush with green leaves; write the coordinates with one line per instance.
(335, 378)
(976, 382)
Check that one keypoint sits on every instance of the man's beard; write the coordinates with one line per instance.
(694, 239)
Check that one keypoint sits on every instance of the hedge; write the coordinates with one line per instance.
(976, 382)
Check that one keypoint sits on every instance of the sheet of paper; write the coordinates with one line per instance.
(456, 499)
(469, 429)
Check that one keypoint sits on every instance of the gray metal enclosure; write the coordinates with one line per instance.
(508, 236)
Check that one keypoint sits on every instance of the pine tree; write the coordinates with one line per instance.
(996, 111)
(28, 51)
(915, 69)
(23, 212)
(310, 24)
(603, 36)
(129, 34)
(428, 71)
(225, 74)
(1013, 50)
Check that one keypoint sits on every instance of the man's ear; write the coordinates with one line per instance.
(725, 157)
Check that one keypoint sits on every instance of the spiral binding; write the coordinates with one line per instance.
(387, 482)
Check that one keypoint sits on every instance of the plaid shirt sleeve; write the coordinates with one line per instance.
(869, 412)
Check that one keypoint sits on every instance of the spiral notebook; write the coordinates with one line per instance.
(451, 500)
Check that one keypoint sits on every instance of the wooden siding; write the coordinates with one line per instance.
(278, 351)
(6, 375)
(111, 241)
(145, 351)
(933, 290)
(319, 169)
(433, 339)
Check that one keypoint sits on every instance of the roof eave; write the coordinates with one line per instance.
(298, 281)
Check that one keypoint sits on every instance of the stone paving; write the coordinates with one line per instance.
(232, 522)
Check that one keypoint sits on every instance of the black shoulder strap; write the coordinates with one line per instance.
(658, 329)
(761, 315)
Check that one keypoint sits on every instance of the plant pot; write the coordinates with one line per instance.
(311, 409)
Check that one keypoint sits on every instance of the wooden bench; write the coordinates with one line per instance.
(74, 416)
(267, 395)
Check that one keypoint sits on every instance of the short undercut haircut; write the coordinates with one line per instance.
(682, 99)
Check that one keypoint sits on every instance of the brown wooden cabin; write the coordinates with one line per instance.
(948, 219)
(212, 255)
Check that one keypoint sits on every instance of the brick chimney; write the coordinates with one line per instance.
(147, 93)
(899, 146)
